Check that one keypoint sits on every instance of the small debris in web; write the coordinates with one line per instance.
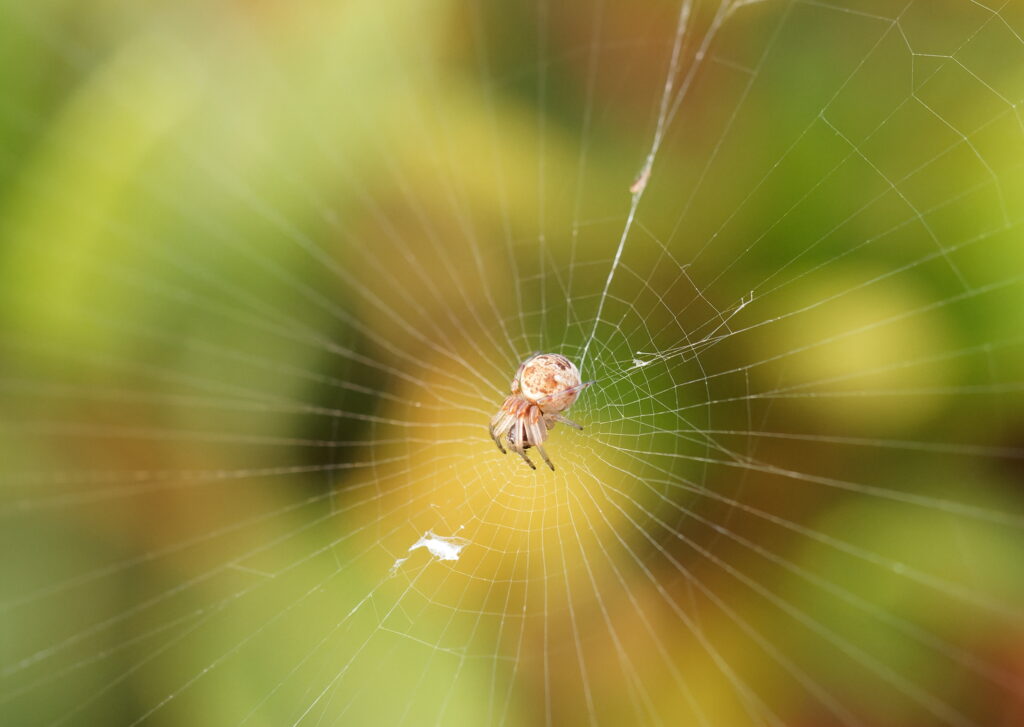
(440, 546)
(640, 363)
(640, 183)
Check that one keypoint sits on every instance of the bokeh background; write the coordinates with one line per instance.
(267, 269)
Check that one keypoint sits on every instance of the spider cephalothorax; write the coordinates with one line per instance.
(544, 386)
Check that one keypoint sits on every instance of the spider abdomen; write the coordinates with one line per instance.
(549, 380)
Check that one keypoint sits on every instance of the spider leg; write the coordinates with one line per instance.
(567, 422)
(526, 459)
(518, 443)
(500, 424)
(497, 440)
(547, 460)
(536, 428)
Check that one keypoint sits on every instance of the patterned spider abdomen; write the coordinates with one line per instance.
(548, 380)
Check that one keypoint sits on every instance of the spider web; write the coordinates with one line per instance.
(268, 271)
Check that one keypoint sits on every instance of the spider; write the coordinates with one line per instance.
(545, 385)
